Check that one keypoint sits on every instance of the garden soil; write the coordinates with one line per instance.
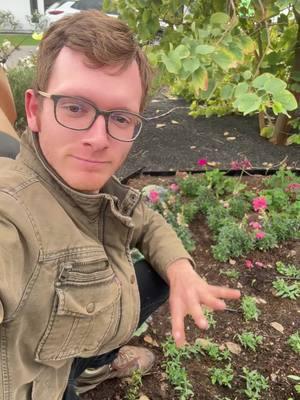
(176, 142)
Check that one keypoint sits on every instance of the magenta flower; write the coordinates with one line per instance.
(154, 196)
(255, 225)
(240, 164)
(246, 164)
(235, 165)
(249, 264)
(259, 203)
(202, 162)
(174, 187)
(260, 235)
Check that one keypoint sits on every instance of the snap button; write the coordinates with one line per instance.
(90, 307)
(132, 279)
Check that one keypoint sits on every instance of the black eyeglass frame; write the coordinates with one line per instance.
(104, 113)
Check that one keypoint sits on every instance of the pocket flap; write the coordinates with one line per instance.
(86, 301)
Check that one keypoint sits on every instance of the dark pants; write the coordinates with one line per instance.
(153, 293)
(9, 147)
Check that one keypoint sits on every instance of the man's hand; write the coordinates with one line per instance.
(188, 291)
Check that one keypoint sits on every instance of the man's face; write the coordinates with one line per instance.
(84, 159)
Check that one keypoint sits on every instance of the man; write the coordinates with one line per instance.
(70, 296)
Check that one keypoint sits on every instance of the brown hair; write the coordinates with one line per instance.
(102, 39)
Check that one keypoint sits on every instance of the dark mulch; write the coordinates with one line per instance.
(274, 359)
(179, 145)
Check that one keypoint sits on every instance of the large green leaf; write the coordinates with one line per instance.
(274, 85)
(248, 45)
(260, 81)
(219, 18)
(204, 49)
(294, 139)
(191, 64)
(247, 103)
(182, 51)
(172, 62)
(241, 88)
(224, 59)
(287, 99)
(226, 92)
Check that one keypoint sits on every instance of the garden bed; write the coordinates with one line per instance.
(276, 356)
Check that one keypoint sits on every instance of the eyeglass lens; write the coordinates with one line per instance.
(79, 115)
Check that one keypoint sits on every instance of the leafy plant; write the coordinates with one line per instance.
(283, 289)
(214, 352)
(294, 342)
(249, 340)
(222, 376)
(295, 378)
(230, 273)
(255, 384)
(289, 270)
(134, 387)
(209, 315)
(250, 310)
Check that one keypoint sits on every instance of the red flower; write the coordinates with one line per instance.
(174, 187)
(293, 187)
(260, 235)
(249, 264)
(202, 162)
(259, 203)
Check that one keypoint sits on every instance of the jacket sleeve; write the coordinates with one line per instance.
(156, 239)
(18, 254)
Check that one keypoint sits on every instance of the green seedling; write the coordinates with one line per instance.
(295, 378)
(250, 310)
(284, 290)
(222, 376)
(134, 387)
(176, 373)
(288, 270)
(209, 315)
(249, 340)
(214, 352)
(294, 342)
(230, 273)
(255, 384)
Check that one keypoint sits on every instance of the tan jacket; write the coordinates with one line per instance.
(67, 283)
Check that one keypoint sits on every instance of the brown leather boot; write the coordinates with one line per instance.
(129, 359)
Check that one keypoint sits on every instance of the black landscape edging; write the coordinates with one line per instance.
(253, 171)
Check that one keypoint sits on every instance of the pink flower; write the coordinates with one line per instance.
(293, 187)
(154, 196)
(255, 225)
(259, 264)
(202, 162)
(249, 264)
(246, 164)
(235, 165)
(259, 203)
(174, 187)
(260, 235)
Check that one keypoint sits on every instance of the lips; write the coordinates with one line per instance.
(91, 161)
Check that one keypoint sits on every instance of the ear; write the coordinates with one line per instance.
(32, 110)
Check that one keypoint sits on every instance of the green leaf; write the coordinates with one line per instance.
(297, 6)
(249, 46)
(247, 103)
(287, 99)
(277, 108)
(267, 132)
(226, 92)
(219, 18)
(294, 139)
(241, 89)
(247, 75)
(224, 59)
(274, 85)
(172, 62)
(182, 51)
(191, 64)
(260, 81)
(200, 80)
(204, 49)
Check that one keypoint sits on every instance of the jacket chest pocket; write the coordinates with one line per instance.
(85, 313)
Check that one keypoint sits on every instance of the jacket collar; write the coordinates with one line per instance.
(122, 198)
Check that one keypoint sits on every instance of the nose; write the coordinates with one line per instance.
(97, 135)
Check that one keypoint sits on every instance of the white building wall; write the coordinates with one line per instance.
(20, 9)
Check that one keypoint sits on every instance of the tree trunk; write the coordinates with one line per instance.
(282, 127)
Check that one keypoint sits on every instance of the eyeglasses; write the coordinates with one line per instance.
(79, 115)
